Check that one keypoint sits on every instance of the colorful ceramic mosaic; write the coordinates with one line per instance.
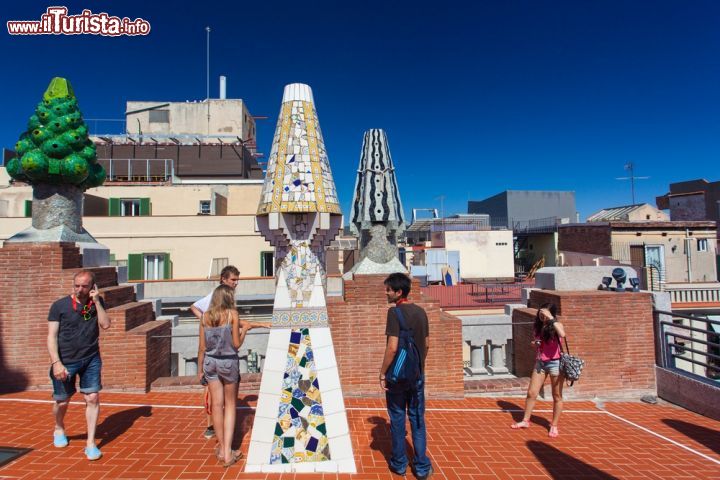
(298, 177)
(300, 265)
(296, 318)
(300, 432)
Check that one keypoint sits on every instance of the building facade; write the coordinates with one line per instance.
(181, 193)
(692, 200)
(520, 210)
(671, 252)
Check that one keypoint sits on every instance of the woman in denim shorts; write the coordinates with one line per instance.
(547, 332)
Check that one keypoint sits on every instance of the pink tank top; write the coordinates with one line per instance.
(548, 350)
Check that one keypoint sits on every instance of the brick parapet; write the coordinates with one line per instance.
(612, 332)
(358, 330)
(37, 274)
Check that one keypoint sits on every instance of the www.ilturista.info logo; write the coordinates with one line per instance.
(56, 21)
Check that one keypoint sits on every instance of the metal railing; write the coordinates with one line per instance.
(689, 343)
(475, 294)
(690, 294)
(138, 169)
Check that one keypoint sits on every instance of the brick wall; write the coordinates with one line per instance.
(593, 239)
(358, 331)
(36, 274)
(612, 332)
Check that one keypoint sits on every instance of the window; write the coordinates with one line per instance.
(128, 207)
(217, 265)
(154, 266)
(28, 208)
(205, 207)
(159, 116)
(267, 264)
(702, 245)
(149, 266)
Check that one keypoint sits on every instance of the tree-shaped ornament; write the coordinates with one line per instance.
(56, 148)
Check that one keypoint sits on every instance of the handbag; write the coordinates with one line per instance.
(571, 366)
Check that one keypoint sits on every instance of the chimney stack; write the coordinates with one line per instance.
(222, 87)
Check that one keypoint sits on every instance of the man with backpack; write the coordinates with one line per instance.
(402, 375)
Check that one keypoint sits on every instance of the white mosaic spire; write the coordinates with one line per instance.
(298, 177)
(300, 422)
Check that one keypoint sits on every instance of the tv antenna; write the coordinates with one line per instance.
(631, 168)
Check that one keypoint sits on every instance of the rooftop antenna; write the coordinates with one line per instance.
(631, 168)
(207, 76)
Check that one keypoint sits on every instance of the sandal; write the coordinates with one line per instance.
(554, 432)
(236, 455)
(219, 455)
(519, 425)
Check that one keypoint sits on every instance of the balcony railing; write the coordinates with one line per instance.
(694, 293)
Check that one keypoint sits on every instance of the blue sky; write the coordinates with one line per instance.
(476, 97)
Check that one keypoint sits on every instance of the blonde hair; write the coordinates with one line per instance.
(222, 301)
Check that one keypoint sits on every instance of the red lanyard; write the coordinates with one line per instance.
(85, 309)
(401, 300)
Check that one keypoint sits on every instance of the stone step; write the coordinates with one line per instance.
(497, 387)
(105, 276)
(118, 295)
(129, 315)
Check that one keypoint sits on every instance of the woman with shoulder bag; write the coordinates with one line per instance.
(547, 332)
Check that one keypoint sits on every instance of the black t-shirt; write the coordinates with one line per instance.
(77, 337)
(416, 319)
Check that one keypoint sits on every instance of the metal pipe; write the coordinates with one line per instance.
(688, 253)
(223, 87)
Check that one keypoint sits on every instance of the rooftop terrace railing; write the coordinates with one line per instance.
(689, 343)
(689, 293)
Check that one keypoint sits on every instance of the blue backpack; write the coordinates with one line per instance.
(406, 367)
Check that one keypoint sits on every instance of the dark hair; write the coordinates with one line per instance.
(227, 271)
(397, 282)
(540, 329)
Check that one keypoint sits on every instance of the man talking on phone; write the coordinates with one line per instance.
(73, 344)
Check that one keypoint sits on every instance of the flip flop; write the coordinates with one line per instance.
(522, 424)
(218, 455)
(236, 455)
(60, 440)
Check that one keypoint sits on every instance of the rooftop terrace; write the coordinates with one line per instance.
(159, 436)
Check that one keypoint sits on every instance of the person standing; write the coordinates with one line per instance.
(220, 339)
(547, 332)
(402, 398)
(229, 276)
(74, 348)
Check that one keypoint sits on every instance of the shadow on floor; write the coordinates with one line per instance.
(517, 413)
(243, 420)
(118, 423)
(703, 435)
(381, 440)
(560, 465)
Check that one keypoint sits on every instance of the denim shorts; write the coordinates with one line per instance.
(89, 371)
(548, 366)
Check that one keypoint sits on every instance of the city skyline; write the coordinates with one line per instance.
(475, 99)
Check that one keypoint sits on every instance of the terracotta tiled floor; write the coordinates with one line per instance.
(159, 436)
